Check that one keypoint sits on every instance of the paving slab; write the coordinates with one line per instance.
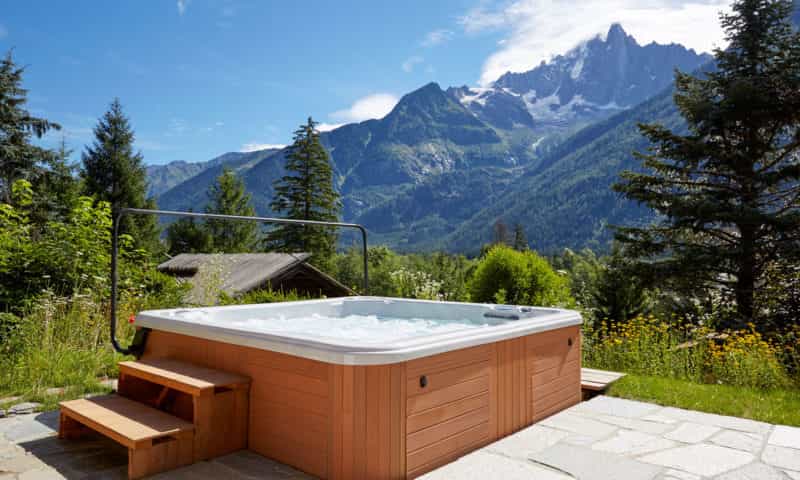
(604, 438)
(42, 474)
(482, 465)
(526, 442)
(639, 424)
(579, 424)
(722, 421)
(202, 471)
(23, 408)
(23, 431)
(784, 436)
(251, 465)
(704, 460)
(21, 463)
(586, 464)
(749, 442)
(792, 475)
(658, 418)
(692, 432)
(630, 443)
(579, 440)
(671, 474)
(753, 471)
(618, 407)
(781, 457)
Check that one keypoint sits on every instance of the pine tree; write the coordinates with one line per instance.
(228, 196)
(112, 172)
(188, 236)
(520, 239)
(58, 188)
(728, 192)
(619, 295)
(18, 158)
(306, 193)
(500, 233)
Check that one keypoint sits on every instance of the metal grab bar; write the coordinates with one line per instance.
(135, 348)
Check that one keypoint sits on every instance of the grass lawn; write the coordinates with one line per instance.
(50, 401)
(772, 406)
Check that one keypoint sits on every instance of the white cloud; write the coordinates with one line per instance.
(410, 63)
(327, 127)
(539, 29)
(183, 5)
(255, 146)
(372, 106)
(436, 37)
(3, 31)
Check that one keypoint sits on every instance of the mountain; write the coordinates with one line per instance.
(191, 194)
(161, 178)
(540, 148)
(567, 201)
(427, 134)
(594, 80)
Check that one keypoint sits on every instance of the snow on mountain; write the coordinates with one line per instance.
(599, 77)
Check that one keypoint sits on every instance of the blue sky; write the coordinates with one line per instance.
(202, 77)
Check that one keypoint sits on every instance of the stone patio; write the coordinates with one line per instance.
(604, 438)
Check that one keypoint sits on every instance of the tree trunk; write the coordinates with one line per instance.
(746, 280)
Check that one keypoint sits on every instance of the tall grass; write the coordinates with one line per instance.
(652, 347)
(64, 342)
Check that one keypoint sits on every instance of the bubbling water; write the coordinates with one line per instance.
(372, 328)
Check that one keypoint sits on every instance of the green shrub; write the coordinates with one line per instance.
(413, 284)
(266, 295)
(66, 256)
(505, 275)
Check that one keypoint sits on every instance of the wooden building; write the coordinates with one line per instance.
(240, 273)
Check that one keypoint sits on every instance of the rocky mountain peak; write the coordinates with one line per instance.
(596, 78)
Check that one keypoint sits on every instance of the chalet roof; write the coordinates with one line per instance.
(237, 273)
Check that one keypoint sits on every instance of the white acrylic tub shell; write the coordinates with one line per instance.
(453, 326)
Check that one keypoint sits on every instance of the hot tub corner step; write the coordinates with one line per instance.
(598, 380)
(182, 376)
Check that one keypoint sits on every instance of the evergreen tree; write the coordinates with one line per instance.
(500, 234)
(306, 193)
(520, 239)
(18, 158)
(112, 172)
(618, 295)
(228, 196)
(57, 189)
(728, 192)
(188, 236)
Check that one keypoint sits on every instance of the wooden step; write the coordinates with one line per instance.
(216, 402)
(125, 421)
(182, 376)
(156, 441)
(598, 380)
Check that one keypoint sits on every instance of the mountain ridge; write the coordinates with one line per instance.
(443, 162)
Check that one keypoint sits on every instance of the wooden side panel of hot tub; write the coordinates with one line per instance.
(554, 371)
(450, 406)
(290, 402)
(379, 422)
(367, 430)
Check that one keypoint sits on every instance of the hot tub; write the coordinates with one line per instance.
(368, 387)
